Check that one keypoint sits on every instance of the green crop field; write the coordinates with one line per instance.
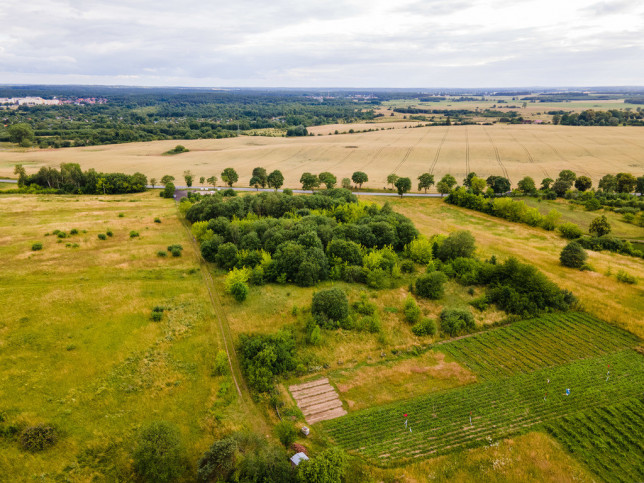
(609, 440)
(525, 370)
(533, 344)
(499, 408)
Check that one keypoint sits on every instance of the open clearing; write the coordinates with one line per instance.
(515, 151)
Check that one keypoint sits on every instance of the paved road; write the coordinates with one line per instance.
(181, 192)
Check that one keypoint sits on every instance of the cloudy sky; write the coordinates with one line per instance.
(345, 43)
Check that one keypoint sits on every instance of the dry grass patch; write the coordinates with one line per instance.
(375, 384)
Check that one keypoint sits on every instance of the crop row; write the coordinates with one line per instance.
(440, 422)
(609, 440)
(533, 344)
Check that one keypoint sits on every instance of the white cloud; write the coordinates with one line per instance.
(347, 43)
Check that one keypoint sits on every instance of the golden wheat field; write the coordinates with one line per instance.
(513, 151)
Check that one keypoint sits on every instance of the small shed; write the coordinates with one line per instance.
(297, 458)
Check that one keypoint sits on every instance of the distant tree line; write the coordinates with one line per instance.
(71, 179)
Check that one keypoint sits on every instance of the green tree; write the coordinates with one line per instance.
(403, 185)
(459, 244)
(213, 181)
(202, 180)
(21, 133)
(425, 181)
(477, 185)
(159, 455)
(153, 181)
(346, 183)
(499, 184)
(568, 175)
(608, 183)
(527, 186)
(286, 433)
(600, 226)
(449, 180)
(467, 182)
(168, 191)
(569, 231)
(328, 179)
(359, 177)
(327, 467)
(561, 186)
(625, 182)
(167, 179)
(573, 255)
(639, 187)
(411, 310)
(583, 183)
(443, 188)
(218, 463)
(22, 174)
(391, 179)
(229, 176)
(330, 306)
(309, 181)
(189, 177)
(275, 180)
(546, 182)
(431, 285)
(259, 178)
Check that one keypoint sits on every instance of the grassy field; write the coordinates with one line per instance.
(512, 151)
(78, 348)
(599, 291)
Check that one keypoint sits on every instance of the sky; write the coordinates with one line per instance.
(346, 43)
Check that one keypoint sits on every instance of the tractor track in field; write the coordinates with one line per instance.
(410, 150)
(530, 157)
(438, 152)
(467, 152)
(496, 154)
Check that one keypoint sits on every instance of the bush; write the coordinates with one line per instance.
(134, 234)
(456, 321)
(329, 466)
(73, 231)
(364, 306)
(102, 236)
(157, 313)
(430, 285)
(369, 323)
(109, 233)
(162, 253)
(624, 277)
(37, 438)
(573, 255)
(121, 215)
(420, 250)
(221, 366)
(569, 231)
(175, 250)
(407, 266)
(159, 455)
(424, 327)
(157, 220)
(411, 310)
(36, 246)
(61, 234)
(330, 307)
(286, 433)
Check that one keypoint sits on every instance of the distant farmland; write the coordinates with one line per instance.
(512, 151)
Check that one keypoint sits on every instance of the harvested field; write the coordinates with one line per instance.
(515, 151)
(317, 400)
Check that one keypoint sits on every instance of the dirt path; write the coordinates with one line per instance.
(256, 419)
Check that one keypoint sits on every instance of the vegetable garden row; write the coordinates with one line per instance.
(440, 422)
(528, 345)
(609, 440)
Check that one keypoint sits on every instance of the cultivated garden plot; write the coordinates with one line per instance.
(440, 423)
(609, 440)
(317, 400)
